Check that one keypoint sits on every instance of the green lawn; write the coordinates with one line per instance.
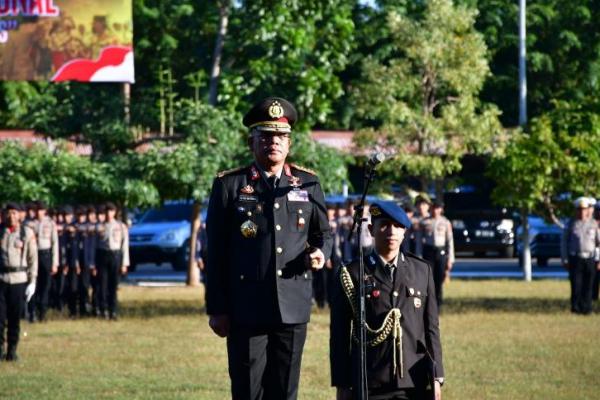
(502, 340)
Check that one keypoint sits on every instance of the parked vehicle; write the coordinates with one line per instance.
(544, 240)
(162, 235)
(478, 226)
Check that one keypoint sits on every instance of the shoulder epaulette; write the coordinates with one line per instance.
(229, 172)
(303, 169)
(409, 254)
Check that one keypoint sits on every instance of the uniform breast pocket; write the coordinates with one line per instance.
(417, 298)
(299, 215)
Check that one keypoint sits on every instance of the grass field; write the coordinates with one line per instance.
(502, 340)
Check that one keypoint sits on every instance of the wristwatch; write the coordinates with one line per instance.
(440, 381)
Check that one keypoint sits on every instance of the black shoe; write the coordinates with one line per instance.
(113, 316)
(11, 354)
(106, 315)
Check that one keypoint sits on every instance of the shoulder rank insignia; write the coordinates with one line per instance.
(254, 174)
(307, 170)
(229, 171)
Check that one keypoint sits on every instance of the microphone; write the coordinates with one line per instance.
(376, 158)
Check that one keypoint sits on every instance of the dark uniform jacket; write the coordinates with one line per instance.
(264, 280)
(413, 293)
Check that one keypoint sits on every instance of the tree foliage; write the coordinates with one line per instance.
(422, 101)
(555, 160)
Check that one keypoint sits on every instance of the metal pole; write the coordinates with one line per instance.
(526, 256)
(522, 66)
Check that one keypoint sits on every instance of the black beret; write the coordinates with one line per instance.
(408, 207)
(273, 114)
(110, 206)
(101, 208)
(67, 209)
(40, 205)
(11, 205)
(390, 210)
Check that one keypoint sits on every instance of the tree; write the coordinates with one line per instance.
(422, 101)
(555, 160)
(562, 50)
(291, 49)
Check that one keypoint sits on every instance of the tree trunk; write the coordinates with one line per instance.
(224, 6)
(193, 275)
(525, 257)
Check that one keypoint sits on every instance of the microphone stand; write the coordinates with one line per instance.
(362, 387)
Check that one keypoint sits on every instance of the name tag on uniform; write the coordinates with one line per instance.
(246, 197)
(297, 195)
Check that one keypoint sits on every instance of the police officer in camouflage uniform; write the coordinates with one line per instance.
(48, 260)
(435, 243)
(404, 351)
(18, 273)
(112, 259)
(580, 254)
(267, 228)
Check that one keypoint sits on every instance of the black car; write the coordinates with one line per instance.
(478, 226)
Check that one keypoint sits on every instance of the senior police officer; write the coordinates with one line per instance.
(580, 254)
(48, 260)
(112, 242)
(18, 273)
(267, 227)
(435, 243)
(404, 354)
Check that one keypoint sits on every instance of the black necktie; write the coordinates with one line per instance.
(272, 181)
(390, 268)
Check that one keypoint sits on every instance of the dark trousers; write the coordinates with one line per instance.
(320, 287)
(581, 275)
(12, 302)
(57, 289)
(438, 259)
(109, 265)
(596, 285)
(39, 301)
(264, 362)
(406, 394)
(83, 286)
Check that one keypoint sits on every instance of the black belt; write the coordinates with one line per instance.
(44, 250)
(5, 270)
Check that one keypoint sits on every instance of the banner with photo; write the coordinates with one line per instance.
(61, 40)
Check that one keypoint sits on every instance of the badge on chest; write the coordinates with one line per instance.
(298, 195)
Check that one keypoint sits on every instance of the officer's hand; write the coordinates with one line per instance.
(316, 259)
(437, 390)
(219, 324)
(124, 270)
(65, 271)
(343, 394)
(54, 270)
(78, 270)
(329, 264)
(598, 266)
(93, 271)
(448, 266)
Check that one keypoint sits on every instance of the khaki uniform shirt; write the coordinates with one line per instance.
(581, 238)
(436, 232)
(46, 233)
(114, 236)
(19, 249)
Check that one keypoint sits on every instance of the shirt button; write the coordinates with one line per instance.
(279, 273)
(241, 277)
(299, 211)
(395, 293)
(279, 250)
(276, 206)
(278, 227)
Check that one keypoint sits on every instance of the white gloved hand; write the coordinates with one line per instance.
(29, 291)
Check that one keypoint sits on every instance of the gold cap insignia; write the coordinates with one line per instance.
(275, 110)
(375, 211)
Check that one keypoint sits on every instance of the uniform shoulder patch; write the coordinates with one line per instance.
(411, 255)
(229, 172)
(303, 169)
